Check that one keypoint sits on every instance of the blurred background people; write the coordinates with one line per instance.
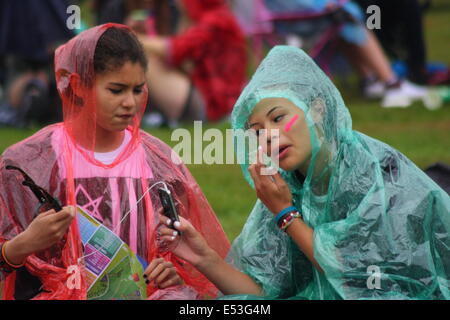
(198, 61)
(402, 37)
(328, 27)
(29, 33)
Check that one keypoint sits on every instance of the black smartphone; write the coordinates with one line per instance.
(170, 210)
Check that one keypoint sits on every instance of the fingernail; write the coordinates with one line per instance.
(175, 233)
(260, 148)
(172, 238)
(168, 221)
(177, 224)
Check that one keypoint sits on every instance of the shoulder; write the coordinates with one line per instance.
(155, 143)
(37, 145)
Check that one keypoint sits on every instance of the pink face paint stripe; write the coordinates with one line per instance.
(289, 125)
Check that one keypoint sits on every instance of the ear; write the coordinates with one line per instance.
(75, 84)
(317, 111)
(78, 90)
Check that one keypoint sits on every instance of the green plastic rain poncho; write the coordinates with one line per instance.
(381, 226)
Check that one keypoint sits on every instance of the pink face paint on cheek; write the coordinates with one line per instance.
(290, 123)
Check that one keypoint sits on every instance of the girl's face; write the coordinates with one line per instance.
(119, 96)
(295, 149)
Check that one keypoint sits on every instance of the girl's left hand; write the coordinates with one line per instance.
(272, 190)
(163, 273)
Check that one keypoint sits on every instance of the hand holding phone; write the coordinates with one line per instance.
(168, 205)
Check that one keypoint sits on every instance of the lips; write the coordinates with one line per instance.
(282, 151)
(125, 116)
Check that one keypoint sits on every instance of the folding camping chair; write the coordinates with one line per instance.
(259, 25)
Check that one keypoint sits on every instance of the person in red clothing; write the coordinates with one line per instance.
(198, 73)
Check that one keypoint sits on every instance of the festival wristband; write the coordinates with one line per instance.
(284, 212)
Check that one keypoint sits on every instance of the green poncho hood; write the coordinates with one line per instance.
(381, 226)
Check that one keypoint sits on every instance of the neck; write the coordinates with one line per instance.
(321, 170)
(303, 169)
(106, 141)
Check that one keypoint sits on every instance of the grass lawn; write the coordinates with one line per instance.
(422, 135)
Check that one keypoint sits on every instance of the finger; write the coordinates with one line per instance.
(159, 269)
(164, 220)
(47, 213)
(168, 239)
(164, 231)
(279, 181)
(171, 282)
(165, 275)
(152, 266)
(67, 213)
(185, 227)
(255, 177)
(259, 156)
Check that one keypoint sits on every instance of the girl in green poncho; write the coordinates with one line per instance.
(345, 217)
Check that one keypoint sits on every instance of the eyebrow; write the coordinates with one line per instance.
(268, 113)
(125, 85)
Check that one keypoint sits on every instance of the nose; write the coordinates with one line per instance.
(269, 139)
(129, 101)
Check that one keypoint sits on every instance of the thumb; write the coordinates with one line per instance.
(279, 181)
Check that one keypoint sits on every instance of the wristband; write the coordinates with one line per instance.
(283, 212)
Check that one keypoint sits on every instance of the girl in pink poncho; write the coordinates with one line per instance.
(100, 161)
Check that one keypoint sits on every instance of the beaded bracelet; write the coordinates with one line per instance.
(288, 220)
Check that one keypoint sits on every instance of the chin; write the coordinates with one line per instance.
(288, 165)
(292, 163)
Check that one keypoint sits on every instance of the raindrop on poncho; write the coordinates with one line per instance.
(56, 161)
(373, 212)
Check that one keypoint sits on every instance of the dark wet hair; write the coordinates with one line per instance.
(115, 47)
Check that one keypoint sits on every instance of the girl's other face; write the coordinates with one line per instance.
(120, 95)
(295, 149)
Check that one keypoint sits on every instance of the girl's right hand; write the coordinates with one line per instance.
(191, 246)
(44, 231)
(48, 228)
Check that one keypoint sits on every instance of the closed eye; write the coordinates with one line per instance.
(115, 91)
(278, 118)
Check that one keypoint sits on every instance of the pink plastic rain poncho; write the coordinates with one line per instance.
(60, 158)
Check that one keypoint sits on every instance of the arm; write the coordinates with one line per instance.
(228, 279)
(193, 248)
(274, 193)
(155, 45)
(44, 231)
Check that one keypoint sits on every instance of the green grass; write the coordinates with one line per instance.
(422, 135)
